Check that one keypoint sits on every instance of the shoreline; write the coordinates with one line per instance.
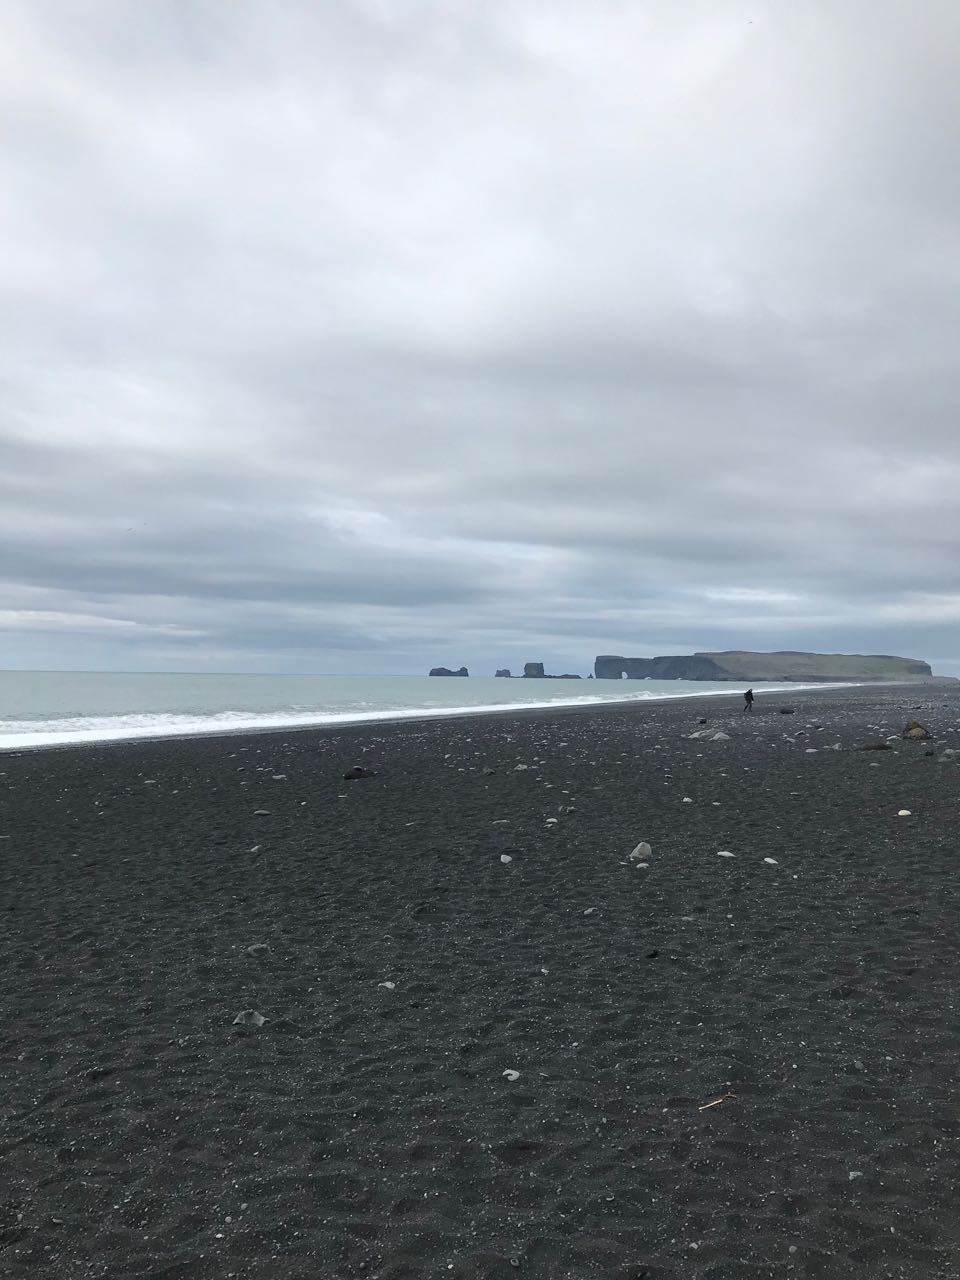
(418, 715)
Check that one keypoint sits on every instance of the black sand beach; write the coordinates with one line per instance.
(368, 1129)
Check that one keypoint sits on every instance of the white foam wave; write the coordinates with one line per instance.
(20, 734)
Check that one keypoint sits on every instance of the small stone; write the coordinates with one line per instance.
(256, 848)
(904, 813)
(642, 850)
(249, 1018)
(390, 986)
(505, 858)
(589, 911)
(687, 800)
(511, 1075)
(771, 862)
(725, 853)
(914, 730)
(358, 771)
(854, 1173)
(261, 813)
(257, 949)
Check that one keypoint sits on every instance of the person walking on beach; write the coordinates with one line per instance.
(748, 700)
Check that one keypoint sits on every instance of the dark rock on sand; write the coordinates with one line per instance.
(875, 746)
(786, 711)
(358, 771)
(914, 730)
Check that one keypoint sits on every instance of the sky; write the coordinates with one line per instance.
(371, 335)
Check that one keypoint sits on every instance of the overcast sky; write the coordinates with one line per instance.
(364, 335)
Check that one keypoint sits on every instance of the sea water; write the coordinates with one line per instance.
(44, 708)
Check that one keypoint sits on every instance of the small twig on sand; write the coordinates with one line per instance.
(716, 1102)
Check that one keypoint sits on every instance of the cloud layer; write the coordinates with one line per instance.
(363, 336)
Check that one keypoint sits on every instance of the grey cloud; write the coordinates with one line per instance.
(363, 330)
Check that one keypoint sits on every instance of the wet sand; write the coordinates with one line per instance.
(369, 1130)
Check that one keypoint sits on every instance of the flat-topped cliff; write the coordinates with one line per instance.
(742, 665)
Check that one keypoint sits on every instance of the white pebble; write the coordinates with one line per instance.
(903, 813)
(390, 986)
(772, 862)
(505, 858)
(725, 853)
(642, 850)
(511, 1075)
(687, 800)
(589, 911)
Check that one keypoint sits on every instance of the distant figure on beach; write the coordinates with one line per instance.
(748, 700)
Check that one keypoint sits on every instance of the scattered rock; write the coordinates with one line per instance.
(687, 800)
(786, 711)
(358, 771)
(511, 1075)
(589, 911)
(505, 858)
(772, 862)
(725, 853)
(261, 813)
(257, 949)
(642, 850)
(249, 1018)
(904, 813)
(875, 746)
(390, 986)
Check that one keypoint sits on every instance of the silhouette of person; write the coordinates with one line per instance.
(748, 700)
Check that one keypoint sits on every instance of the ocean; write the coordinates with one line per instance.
(46, 708)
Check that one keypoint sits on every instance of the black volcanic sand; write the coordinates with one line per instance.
(368, 1130)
